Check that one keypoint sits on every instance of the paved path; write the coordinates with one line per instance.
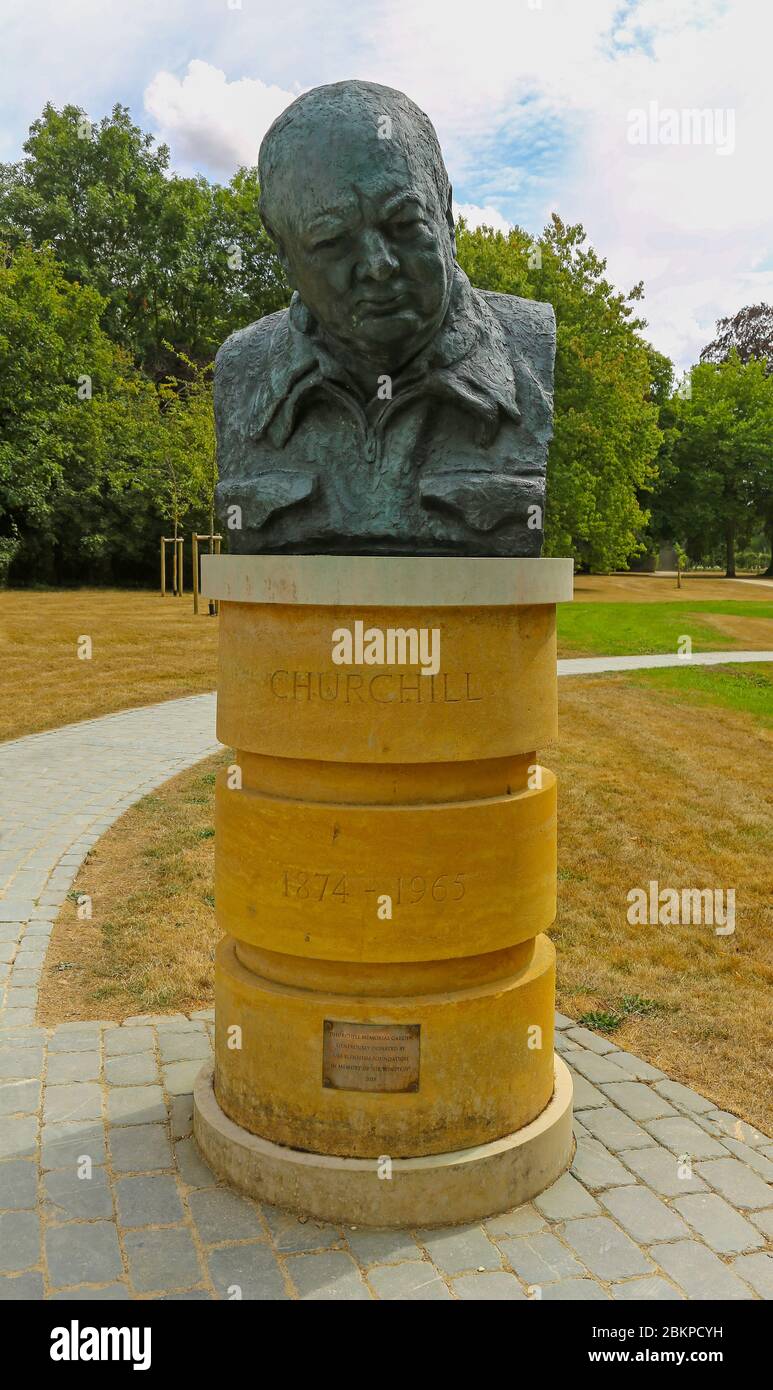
(689, 587)
(766, 583)
(61, 791)
(596, 665)
(103, 1195)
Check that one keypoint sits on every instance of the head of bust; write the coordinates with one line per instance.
(356, 196)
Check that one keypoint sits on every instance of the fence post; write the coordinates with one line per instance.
(195, 555)
(216, 540)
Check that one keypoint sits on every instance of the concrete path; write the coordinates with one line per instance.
(596, 665)
(102, 1193)
(690, 581)
(766, 583)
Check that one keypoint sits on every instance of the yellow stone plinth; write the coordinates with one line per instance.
(478, 1075)
(385, 868)
(280, 693)
(448, 867)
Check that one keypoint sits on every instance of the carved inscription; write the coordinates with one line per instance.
(410, 889)
(386, 688)
(370, 1056)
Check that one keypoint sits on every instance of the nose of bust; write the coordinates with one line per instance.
(376, 260)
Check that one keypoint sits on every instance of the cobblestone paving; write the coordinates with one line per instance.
(103, 1194)
(61, 791)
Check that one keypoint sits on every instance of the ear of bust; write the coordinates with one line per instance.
(280, 252)
(450, 218)
(285, 264)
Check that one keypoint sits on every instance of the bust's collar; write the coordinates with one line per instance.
(466, 363)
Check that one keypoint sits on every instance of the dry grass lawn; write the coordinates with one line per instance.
(755, 634)
(654, 787)
(144, 649)
(661, 588)
(655, 783)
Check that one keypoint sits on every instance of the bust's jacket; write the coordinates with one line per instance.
(452, 463)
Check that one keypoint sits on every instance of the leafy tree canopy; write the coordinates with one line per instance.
(86, 439)
(118, 270)
(176, 260)
(606, 435)
(717, 460)
(749, 333)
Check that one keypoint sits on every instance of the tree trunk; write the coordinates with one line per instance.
(768, 573)
(730, 552)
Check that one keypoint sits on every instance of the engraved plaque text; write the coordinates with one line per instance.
(371, 1056)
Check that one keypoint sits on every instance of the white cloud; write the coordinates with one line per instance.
(694, 224)
(208, 120)
(697, 225)
(531, 102)
(476, 216)
(88, 52)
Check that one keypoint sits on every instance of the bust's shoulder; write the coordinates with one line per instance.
(527, 332)
(524, 320)
(248, 348)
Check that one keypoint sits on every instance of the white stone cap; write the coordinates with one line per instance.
(405, 581)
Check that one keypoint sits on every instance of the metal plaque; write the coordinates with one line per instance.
(371, 1056)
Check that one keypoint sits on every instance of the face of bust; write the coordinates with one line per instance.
(369, 250)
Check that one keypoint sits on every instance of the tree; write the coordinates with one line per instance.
(78, 429)
(681, 562)
(161, 269)
(717, 469)
(749, 333)
(606, 435)
(255, 284)
(176, 260)
(186, 455)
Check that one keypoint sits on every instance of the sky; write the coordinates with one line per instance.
(575, 106)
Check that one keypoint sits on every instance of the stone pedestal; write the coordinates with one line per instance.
(385, 870)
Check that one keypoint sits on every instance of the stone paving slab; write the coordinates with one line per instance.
(104, 1196)
(122, 1206)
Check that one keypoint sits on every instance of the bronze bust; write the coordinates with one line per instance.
(392, 408)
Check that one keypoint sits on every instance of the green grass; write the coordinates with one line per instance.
(746, 689)
(621, 629)
(629, 1006)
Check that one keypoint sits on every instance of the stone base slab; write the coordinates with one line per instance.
(440, 1190)
(373, 580)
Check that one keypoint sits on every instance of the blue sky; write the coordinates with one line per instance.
(536, 103)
